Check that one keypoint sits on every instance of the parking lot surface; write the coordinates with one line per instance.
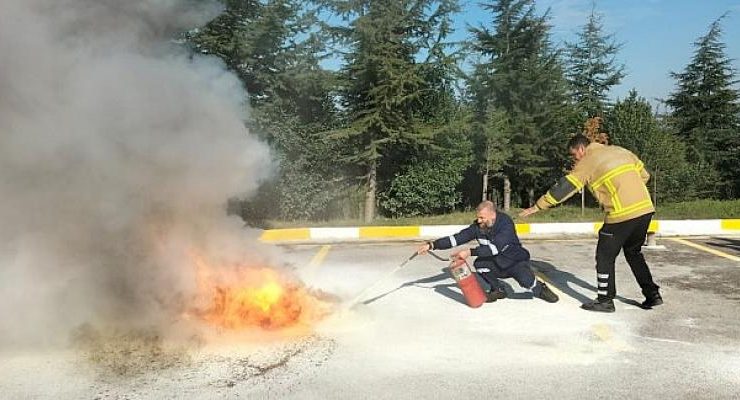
(411, 335)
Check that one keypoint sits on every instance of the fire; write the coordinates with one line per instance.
(239, 297)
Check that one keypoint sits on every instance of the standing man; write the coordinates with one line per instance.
(499, 253)
(617, 178)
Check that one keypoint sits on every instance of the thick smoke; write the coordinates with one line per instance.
(118, 150)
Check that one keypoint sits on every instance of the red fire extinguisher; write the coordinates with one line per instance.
(468, 283)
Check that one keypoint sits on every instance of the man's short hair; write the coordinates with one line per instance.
(578, 141)
(485, 205)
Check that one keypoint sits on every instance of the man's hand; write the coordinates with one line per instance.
(529, 211)
(462, 254)
(423, 248)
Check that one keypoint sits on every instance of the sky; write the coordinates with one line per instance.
(657, 36)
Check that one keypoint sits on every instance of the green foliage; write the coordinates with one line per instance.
(273, 48)
(392, 121)
(706, 111)
(592, 70)
(382, 80)
(388, 94)
(491, 134)
(632, 125)
(520, 74)
(246, 36)
(304, 194)
(309, 178)
(700, 209)
(430, 183)
(426, 187)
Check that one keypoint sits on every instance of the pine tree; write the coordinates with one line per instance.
(250, 37)
(274, 50)
(385, 83)
(706, 112)
(270, 45)
(521, 75)
(632, 124)
(592, 68)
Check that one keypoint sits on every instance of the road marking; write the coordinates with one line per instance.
(544, 240)
(707, 249)
(657, 339)
(603, 332)
(319, 257)
(316, 261)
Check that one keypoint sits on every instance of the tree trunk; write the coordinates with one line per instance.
(372, 185)
(530, 194)
(484, 195)
(485, 186)
(655, 188)
(507, 193)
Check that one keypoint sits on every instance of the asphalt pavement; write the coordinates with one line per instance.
(412, 336)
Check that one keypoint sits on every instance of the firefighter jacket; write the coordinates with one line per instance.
(499, 242)
(615, 177)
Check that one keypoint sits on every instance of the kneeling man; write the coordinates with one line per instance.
(499, 253)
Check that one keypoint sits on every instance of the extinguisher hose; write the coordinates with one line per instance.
(357, 298)
(438, 257)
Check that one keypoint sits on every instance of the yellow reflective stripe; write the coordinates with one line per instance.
(550, 199)
(572, 179)
(613, 194)
(634, 207)
(614, 172)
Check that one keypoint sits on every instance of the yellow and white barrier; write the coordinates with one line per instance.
(534, 230)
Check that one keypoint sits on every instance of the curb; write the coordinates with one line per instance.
(663, 228)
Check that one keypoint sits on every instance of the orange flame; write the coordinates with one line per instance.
(241, 297)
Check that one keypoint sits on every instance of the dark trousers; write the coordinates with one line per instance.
(489, 270)
(628, 236)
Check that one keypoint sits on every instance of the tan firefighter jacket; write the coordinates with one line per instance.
(614, 175)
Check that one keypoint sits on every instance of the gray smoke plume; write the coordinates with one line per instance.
(118, 151)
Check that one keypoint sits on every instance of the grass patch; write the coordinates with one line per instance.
(698, 209)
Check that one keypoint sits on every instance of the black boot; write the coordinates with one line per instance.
(545, 293)
(495, 294)
(652, 300)
(599, 305)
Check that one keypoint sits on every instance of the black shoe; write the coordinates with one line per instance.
(652, 301)
(599, 305)
(495, 294)
(547, 294)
